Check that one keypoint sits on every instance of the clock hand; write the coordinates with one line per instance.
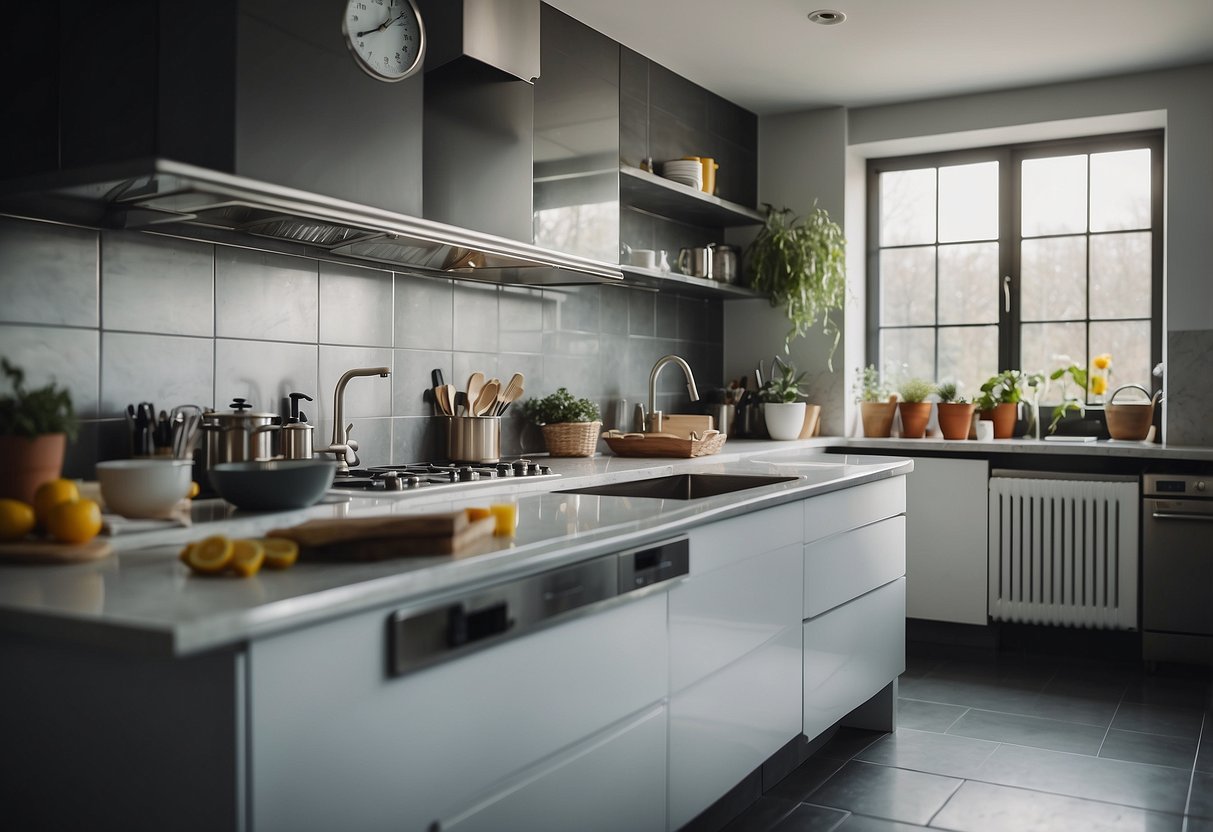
(382, 25)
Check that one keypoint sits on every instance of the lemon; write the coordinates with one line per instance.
(194, 489)
(76, 521)
(477, 513)
(280, 552)
(184, 554)
(51, 494)
(16, 519)
(210, 555)
(247, 557)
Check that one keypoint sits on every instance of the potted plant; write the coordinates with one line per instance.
(783, 413)
(570, 426)
(914, 408)
(876, 405)
(999, 401)
(801, 265)
(34, 428)
(955, 414)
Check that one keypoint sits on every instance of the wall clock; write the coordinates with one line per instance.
(386, 37)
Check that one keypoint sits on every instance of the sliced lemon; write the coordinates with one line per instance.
(477, 513)
(210, 555)
(280, 552)
(184, 554)
(247, 557)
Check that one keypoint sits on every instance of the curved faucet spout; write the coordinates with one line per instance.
(653, 417)
(342, 446)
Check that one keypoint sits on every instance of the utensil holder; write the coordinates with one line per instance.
(473, 438)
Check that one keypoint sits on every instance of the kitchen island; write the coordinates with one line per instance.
(271, 703)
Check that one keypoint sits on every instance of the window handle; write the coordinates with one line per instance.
(1006, 292)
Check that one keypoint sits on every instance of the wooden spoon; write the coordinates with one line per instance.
(510, 392)
(440, 397)
(475, 384)
(448, 393)
(486, 399)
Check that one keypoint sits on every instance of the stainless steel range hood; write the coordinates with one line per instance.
(189, 201)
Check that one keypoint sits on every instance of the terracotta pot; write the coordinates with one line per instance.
(955, 420)
(1004, 417)
(878, 417)
(27, 463)
(914, 418)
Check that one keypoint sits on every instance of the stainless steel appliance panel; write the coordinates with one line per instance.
(1177, 557)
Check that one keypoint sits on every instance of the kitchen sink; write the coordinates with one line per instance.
(681, 486)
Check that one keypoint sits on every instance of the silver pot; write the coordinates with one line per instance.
(726, 264)
(294, 439)
(234, 435)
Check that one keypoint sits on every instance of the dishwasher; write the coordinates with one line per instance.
(1177, 568)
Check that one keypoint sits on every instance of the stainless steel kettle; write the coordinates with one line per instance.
(697, 261)
(235, 436)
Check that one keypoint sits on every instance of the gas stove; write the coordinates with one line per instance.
(431, 475)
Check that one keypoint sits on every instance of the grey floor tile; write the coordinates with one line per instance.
(1155, 749)
(1204, 757)
(1182, 691)
(982, 807)
(1201, 801)
(1171, 720)
(1053, 704)
(1113, 781)
(1005, 670)
(883, 792)
(847, 742)
(760, 817)
(863, 823)
(930, 752)
(806, 818)
(1029, 730)
(990, 695)
(1199, 825)
(927, 716)
(806, 778)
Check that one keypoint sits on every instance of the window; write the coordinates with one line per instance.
(1013, 257)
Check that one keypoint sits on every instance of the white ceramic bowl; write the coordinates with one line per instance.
(144, 487)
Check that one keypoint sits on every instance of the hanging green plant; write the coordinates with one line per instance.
(801, 265)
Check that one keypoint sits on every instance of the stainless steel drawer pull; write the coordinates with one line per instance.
(1175, 515)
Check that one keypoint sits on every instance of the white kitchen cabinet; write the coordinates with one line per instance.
(337, 743)
(946, 540)
(613, 781)
(847, 565)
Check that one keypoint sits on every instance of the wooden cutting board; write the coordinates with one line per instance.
(376, 538)
(47, 551)
(682, 424)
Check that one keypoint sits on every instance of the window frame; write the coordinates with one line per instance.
(1010, 158)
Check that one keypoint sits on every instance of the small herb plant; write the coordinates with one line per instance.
(869, 387)
(949, 393)
(34, 412)
(1004, 388)
(784, 388)
(915, 390)
(559, 407)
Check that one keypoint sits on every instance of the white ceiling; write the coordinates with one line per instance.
(766, 56)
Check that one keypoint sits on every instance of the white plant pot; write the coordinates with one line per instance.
(784, 419)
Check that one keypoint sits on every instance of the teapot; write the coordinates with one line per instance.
(697, 261)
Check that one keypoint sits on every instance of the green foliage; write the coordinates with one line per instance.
(1004, 388)
(869, 387)
(801, 265)
(914, 390)
(949, 393)
(786, 387)
(559, 407)
(1069, 403)
(34, 412)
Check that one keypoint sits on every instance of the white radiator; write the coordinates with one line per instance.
(1064, 551)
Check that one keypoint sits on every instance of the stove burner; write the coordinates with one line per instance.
(430, 474)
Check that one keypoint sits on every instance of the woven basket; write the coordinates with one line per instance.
(571, 438)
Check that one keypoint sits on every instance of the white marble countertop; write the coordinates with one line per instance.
(143, 599)
(1102, 447)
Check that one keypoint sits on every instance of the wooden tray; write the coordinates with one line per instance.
(46, 551)
(377, 538)
(663, 445)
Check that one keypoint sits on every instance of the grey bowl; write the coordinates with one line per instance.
(273, 485)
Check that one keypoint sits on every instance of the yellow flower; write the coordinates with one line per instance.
(1102, 361)
(1099, 385)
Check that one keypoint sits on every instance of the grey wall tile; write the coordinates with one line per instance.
(265, 296)
(463, 364)
(365, 397)
(262, 372)
(613, 310)
(49, 274)
(1189, 395)
(693, 319)
(424, 313)
(68, 357)
(475, 317)
(157, 284)
(642, 312)
(574, 309)
(166, 370)
(667, 316)
(411, 380)
(417, 439)
(355, 306)
(520, 320)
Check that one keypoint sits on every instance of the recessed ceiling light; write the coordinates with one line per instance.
(827, 17)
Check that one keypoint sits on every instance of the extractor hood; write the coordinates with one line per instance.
(189, 201)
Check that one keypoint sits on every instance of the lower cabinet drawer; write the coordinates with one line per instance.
(847, 565)
(851, 652)
(726, 725)
(610, 782)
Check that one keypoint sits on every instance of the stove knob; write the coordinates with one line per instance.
(504, 469)
(391, 481)
(520, 466)
(413, 481)
(1200, 485)
(452, 476)
(466, 474)
(532, 470)
(545, 470)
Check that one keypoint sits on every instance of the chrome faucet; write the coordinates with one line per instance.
(343, 447)
(654, 418)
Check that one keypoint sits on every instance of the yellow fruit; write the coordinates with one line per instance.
(16, 519)
(210, 555)
(194, 489)
(280, 552)
(247, 556)
(76, 521)
(51, 494)
(184, 554)
(477, 513)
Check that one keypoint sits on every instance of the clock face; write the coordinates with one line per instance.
(386, 37)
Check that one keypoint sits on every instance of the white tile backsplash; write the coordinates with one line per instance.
(475, 318)
(68, 357)
(48, 274)
(262, 372)
(411, 380)
(355, 306)
(157, 284)
(166, 370)
(265, 296)
(424, 311)
(365, 397)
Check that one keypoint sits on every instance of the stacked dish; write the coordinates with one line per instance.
(685, 172)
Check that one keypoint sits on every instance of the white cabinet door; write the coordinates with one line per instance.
(610, 782)
(946, 540)
(839, 511)
(338, 744)
(847, 565)
(738, 538)
(726, 725)
(850, 653)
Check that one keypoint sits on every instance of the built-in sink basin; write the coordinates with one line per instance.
(681, 486)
